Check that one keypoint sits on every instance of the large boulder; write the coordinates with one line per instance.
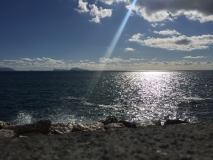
(61, 128)
(141, 123)
(96, 126)
(144, 123)
(42, 126)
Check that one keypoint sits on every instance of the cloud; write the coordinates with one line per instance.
(129, 49)
(136, 37)
(196, 57)
(27, 59)
(117, 60)
(35, 63)
(94, 11)
(99, 13)
(107, 64)
(161, 10)
(182, 43)
(109, 2)
(111, 60)
(157, 24)
(167, 32)
(82, 7)
(155, 10)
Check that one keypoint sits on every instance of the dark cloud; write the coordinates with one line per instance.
(183, 42)
(173, 6)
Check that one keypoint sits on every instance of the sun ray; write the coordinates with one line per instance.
(120, 30)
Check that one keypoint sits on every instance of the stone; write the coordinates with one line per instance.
(4, 124)
(70, 125)
(127, 124)
(174, 121)
(42, 126)
(113, 126)
(5, 133)
(60, 128)
(109, 120)
(144, 123)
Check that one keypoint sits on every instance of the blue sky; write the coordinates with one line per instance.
(62, 34)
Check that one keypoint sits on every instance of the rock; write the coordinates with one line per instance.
(4, 124)
(175, 121)
(96, 126)
(109, 120)
(128, 124)
(60, 128)
(70, 125)
(144, 123)
(112, 126)
(42, 126)
(5, 133)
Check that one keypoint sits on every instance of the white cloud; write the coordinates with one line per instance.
(129, 49)
(99, 13)
(118, 60)
(82, 7)
(167, 32)
(134, 59)
(151, 17)
(136, 37)
(109, 2)
(182, 43)
(111, 60)
(157, 24)
(196, 57)
(94, 11)
(26, 59)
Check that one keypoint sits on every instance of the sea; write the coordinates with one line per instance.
(89, 96)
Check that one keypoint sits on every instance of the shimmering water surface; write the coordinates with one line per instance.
(83, 97)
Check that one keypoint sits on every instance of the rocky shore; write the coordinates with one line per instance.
(107, 139)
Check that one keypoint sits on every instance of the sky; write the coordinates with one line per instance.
(106, 34)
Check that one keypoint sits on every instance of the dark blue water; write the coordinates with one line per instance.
(83, 97)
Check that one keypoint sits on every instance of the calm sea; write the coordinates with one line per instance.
(83, 97)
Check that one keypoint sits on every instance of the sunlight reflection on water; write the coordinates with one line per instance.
(150, 95)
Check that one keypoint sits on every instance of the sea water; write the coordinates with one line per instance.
(84, 97)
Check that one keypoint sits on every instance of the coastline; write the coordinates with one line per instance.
(178, 141)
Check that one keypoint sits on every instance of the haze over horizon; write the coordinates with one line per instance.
(106, 34)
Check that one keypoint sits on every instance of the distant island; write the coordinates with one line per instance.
(78, 69)
(6, 69)
(72, 69)
(58, 70)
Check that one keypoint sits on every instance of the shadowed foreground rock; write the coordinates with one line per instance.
(170, 142)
